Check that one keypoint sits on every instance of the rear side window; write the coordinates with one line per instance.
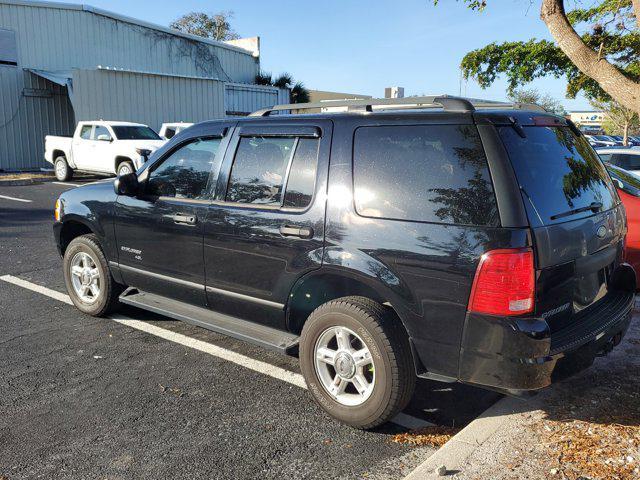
(626, 161)
(85, 132)
(274, 171)
(430, 173)
(559, 174)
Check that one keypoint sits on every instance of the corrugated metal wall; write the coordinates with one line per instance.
(30, 108)
(242, 99)
(62, 39)
(148, 99)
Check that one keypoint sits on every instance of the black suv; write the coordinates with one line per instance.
(456, 241)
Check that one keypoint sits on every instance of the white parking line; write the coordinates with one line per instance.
(406, 421)
(16, 199)
(66, 184)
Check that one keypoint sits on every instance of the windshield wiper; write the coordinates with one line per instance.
(595, 207)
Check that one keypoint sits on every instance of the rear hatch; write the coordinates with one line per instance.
(576, 218)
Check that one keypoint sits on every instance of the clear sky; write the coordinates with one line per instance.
(364, 46)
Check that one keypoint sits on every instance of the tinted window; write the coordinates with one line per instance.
(188, 171)
(85, 133)
(134, 133)
(625, 181)
(170, 133)
(605, 157)
(258, 170)
(100, 130)
(435, 173)
(558, 171)
(302, 175)
(626, 161)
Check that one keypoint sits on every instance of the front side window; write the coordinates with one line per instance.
(85, 132)
(427, 173)
(101, 133)
(125, 132)
(188, 172)
(626, 161)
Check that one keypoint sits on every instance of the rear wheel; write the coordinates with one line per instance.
(88, 279)
(62, 169)
(125, 168)
(356, 360)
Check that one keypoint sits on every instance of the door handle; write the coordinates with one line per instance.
(184, 219)
(291, 231)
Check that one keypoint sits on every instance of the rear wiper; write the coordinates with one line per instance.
(595, 207)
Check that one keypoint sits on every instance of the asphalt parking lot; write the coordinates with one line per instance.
(142, 396)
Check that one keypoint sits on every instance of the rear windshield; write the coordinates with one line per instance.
(135, 133)
(559, 174)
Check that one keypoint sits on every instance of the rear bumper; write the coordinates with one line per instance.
(520, 354)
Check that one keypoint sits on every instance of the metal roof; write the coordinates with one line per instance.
(123, 18)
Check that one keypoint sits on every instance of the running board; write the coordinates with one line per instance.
(251, 332)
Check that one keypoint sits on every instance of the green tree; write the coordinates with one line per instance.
(618, 120)
(216, 27)
(532, 95)
(597, 50)
(298, 92)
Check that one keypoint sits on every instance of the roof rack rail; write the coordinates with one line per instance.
(447, 102)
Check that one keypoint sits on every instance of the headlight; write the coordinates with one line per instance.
(57, 213)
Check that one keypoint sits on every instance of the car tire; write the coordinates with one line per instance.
(385, 386)
(125, 167)
(62, 169)
(88, 279)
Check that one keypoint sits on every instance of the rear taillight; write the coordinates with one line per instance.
(504, 283)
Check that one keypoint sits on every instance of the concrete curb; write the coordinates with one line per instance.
(25, 181)
(455, 452)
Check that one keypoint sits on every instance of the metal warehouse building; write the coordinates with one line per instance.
(63, 63)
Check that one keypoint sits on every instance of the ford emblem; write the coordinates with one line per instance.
(602, 231)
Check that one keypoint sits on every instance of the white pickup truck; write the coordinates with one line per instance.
(101, 147)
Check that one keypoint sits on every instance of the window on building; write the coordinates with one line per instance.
(188, 172)
(8, 47)
(430, 173)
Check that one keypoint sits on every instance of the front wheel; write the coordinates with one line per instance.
(62, 169)
(88, 279)
(356, 360)
(125, 168)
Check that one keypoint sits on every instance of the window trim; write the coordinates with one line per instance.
(498, 221)
(285, 180)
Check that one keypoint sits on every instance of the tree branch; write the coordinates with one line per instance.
(621, 88)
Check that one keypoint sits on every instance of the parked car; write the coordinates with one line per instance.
(457, 244)
(623, 157)
(628, 185)
(169, 130)
(100, 147)
(604, 140)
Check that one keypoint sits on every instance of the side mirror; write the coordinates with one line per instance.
(619, 184)
(144, 153)
(104, 138)
(127, 185)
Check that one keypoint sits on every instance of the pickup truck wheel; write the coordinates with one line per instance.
(125, 167)
(355, 357)
(62, 169)
(88, 279)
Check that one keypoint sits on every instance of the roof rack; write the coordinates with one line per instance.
(447, 102)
